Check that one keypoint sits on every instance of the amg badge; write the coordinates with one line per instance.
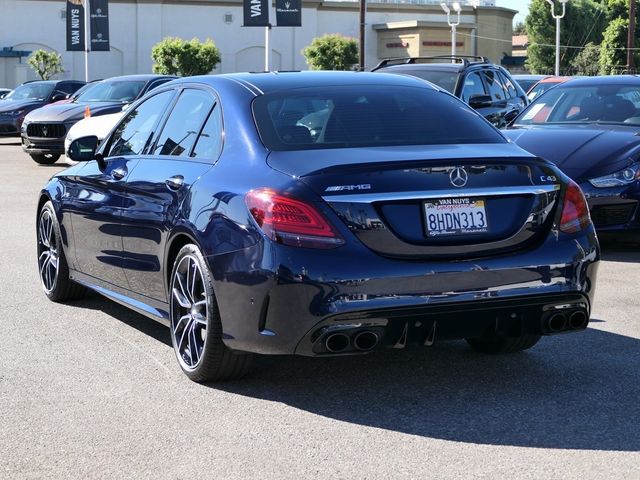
(341, 188)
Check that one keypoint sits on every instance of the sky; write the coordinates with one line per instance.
(521, 5)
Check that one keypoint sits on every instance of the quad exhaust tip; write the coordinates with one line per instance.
(578, 320)
(337, 342)
(557, 322)
(365, 341)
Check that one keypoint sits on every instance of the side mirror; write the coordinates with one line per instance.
(480, 101)
(58, 96)
(83, 149)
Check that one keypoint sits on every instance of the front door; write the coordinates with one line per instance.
(159, 186)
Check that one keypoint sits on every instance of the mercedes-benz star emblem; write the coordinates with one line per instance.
(458, 177)
(45, 130)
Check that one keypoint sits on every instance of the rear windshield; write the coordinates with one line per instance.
(366, 116)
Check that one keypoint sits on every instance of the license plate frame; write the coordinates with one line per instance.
(458, 216)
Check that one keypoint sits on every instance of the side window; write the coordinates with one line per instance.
(134, 132)
(472, 86)
(184, 123)
(495, 85)
(508, 86)
(209, 143)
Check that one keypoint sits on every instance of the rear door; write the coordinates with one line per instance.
(186, 147)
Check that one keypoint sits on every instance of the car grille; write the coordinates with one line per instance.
(619, 214)
(46, 130)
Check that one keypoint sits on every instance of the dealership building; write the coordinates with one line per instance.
(394, 28)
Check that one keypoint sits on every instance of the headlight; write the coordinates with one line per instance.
(623, 177)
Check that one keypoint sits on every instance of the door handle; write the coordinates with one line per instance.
(175, 182)
(119, 173)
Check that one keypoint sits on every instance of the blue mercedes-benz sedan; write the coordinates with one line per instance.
(320, 214)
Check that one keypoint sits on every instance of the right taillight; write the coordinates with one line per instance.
(291, 221)
(575, 211)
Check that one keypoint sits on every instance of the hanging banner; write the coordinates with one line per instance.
(256, 13)
(99, 20)
(289, 13)
(75, 26)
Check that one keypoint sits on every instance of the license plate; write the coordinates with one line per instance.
(455, 216)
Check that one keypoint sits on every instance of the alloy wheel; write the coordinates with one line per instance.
(189, 312)
(48, 255)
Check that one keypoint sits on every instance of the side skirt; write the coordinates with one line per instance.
(155, 310)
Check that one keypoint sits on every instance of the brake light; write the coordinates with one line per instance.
(575, 212)
(290, 221)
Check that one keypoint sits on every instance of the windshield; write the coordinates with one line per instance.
(31, 91)
(367, 116)
(540, 88)
(121, 91)
(613, 104)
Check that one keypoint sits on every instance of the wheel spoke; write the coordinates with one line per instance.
(179, 322)
(193, 344)
(188, 281)
(182, 300)
(184, 335)
(42, 230)
(50, 232)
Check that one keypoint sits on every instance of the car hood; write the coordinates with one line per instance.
(581, 151)
(72, 111)
(12, 105)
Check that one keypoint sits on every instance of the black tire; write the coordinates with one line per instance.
(52, 264)
(42, 159)
(496, 344)
(196, 328)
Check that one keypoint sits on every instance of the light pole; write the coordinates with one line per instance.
(453, 25)
(557, 17)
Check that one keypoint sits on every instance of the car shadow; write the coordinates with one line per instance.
(145, 325)
(578, 391)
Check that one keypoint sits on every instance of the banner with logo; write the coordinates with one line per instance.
(256, 13)
(289, 13)
(99, 20)
(75, 26)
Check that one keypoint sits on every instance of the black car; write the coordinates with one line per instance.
(43, 130)
(487, 87)
(401, 217)
(30, 96)
(590, 128)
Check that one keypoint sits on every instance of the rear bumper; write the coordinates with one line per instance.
(280, 300)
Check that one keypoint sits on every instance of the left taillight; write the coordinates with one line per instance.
(290, 221)
(575, 211)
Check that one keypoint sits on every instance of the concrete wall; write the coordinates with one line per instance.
(136, 25)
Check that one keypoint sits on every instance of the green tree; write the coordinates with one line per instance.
(331, 52)
(175, 56)
(583, 22)
(587, 62)
(520, 29)
(613, 56)
(45, 64)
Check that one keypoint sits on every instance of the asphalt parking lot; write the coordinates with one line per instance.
(92, 390)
